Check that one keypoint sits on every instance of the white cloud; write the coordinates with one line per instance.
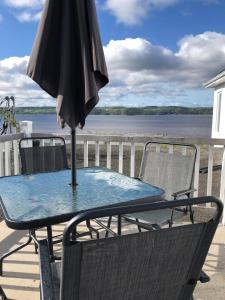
(140, 68)
(140, 73)
(133, 11)
(13, 81)
(34, 4)
(27, 16)
(26, 10)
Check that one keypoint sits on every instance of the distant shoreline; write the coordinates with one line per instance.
(126, 111)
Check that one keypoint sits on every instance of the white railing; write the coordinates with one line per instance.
(10, 164)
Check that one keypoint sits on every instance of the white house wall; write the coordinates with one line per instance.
(221, 132)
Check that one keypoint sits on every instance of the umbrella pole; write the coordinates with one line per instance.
(73, 158)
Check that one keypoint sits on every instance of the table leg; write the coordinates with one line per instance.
(13, 251)
(50, 243)
(119, 224)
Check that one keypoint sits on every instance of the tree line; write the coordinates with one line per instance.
(122, 110)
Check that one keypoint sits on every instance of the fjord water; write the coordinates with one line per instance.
(172, 125)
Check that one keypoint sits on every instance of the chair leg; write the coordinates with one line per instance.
(88, 224)
(92, 229)
(108, 226)
(191, 214)
(139, 227)
(50, 243)
(13, 251)
(2, 294)
(171, 219)
(35, 245)
(119, 225)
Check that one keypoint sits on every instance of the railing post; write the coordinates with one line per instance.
(121, 158)
(97, 154)
(1, 160)
(16, 157)
(132, 160)
(7, 159)
(86, 154)
(222, 184)
(109, 155)
(210, 171)
(26, 127)
(197, 167)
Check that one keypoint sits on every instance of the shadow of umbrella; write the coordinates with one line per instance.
(68, 62)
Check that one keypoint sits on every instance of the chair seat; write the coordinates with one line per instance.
(160, 217)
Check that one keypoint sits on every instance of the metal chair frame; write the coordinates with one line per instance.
(193, 276)
(187, 192)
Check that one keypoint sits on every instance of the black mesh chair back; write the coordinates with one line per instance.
(163, 264)
(168, 166)
(42, 154)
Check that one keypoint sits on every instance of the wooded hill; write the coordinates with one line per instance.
(121, 110)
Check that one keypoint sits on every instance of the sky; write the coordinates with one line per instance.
(158, 52)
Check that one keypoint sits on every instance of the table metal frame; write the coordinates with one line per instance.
(53, 220)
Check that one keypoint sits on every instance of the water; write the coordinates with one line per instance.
(172, 125)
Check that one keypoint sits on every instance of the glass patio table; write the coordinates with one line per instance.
(33, 201)
(44, 199)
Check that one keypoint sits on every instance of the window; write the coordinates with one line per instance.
(218, 111)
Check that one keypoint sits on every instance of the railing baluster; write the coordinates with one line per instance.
(197, 167)
(97, 154)
(170, 149)
(132, 160)
(1, 160)
(109, 155)
(120, 157)
(210, 171)
(184, 150)
(16, 157)
(7, 159)
(157, 148)
(86, 154)
(222, 184)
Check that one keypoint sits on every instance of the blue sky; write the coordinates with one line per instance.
(158, 52)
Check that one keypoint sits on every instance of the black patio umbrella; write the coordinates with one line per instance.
(68, 62)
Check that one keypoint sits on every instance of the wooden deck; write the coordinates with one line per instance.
(21, 270)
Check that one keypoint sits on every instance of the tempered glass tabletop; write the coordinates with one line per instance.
(47, 198)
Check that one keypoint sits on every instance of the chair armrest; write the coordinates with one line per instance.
(183, 192)
(46, 282)
(204, 170)
(203, 277)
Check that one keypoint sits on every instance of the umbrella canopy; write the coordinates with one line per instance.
(67, 59)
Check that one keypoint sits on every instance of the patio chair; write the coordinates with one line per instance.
(42, 154)
(169, 166)
(162, 264)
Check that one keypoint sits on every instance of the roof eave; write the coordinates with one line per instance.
(216, 81)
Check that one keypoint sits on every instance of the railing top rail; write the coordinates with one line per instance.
(11, 137)
(144, 139)
(125, 138)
